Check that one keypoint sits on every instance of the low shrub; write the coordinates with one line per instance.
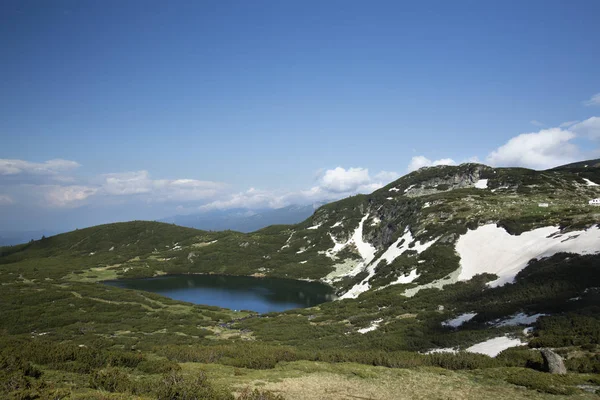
(540, 381)
(589, 364)
(110, 379)
(173, 386)
(256, 394)
(158, 366)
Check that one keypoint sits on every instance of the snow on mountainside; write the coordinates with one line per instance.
(489, 218)
(490, 249)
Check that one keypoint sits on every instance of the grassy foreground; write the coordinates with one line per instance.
(318, 380)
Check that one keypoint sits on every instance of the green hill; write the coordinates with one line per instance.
(443, 258)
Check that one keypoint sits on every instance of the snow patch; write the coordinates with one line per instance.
(287, 242)
(392, 252)
(442, 350)
(438, 284)
(111, 249)
(394, 189)
(458, 321)
(303, 262)
(519, 319)
(366, 250)
(481, 184)
(339, 223)
(337, 246)
(493, 347)
(406, 278)
(590, 183)
(374, 325)
(490, 249)
(314, 226)
(408, 188)
(389, 198)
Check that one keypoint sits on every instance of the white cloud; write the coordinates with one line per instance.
(251, 198)
(333, 184)
(67, 196)
(140, 183)
(589, 128)
(422, 161)
(127, 183)
(186, 190)
(258, 198)
(341, 180)
(418, 162)
(444, 161)
(536, 122)
(548, 147)
(50, 167)
(6, 200)
(593, 101)
(539, 150)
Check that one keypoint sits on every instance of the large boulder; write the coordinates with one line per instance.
(553, 363)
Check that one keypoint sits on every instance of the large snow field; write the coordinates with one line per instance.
(490, 249)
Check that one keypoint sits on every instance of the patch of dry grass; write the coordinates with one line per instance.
(305, 380)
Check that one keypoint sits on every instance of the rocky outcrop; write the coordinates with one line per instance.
(457, 180)
(553, 363)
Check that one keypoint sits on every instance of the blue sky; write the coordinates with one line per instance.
(156, 108)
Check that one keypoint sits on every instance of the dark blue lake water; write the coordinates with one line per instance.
(234, 292)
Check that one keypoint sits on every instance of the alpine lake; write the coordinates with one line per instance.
(261, 295)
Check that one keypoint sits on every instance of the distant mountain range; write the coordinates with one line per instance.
(10, 238)
(243, 219)
(238, 219)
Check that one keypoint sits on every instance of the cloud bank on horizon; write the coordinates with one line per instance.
(55, 184)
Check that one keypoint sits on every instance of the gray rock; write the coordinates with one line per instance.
(553, 363)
